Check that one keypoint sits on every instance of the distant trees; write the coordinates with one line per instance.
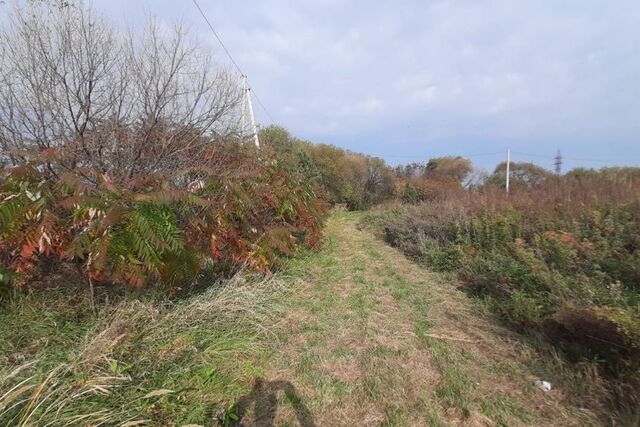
(475, 179)
(417, 182)
(409, 170)
(442, 177)
(611, 173)
(448, 168)
(521, 174)
(360, 181)
(379, 184)
(356, 180)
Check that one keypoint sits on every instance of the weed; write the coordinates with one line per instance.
(558, 260)
(139, 360)
(503, 409)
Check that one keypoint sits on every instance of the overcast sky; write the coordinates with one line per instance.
(407, 80)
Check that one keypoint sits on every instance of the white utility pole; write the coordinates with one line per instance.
(508, 167)
(247, 104)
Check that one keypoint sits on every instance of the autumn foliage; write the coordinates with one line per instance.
(235, 210)
(558, 257)
(354, 180)
(122, 154)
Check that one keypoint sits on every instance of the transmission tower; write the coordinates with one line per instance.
(558, 163)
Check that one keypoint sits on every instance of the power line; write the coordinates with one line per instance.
(233, 61)
(533, 155)
(555, 158)
(569, 158)
(422, 156)
(598, 160)
(273, 122)
(218, 37)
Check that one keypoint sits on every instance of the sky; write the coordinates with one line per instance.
(407, 80)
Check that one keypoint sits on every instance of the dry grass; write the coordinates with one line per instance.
(357, 346)
(120, 374)
(340, 337)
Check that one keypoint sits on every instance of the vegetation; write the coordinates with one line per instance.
(559, 257)
(433, 180)
(141, 361)
(124, 169)
(122, 177)
(152, 231)
(351, 332)
(525, 175)
(354, 180)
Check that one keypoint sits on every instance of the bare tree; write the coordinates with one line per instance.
(475, 179)
(103, 101)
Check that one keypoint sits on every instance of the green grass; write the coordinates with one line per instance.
(430, 413)
(502, 409)
(396, 415)
(149, 361)
(456, 389)
(348, 328)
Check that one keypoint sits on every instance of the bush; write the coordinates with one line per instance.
(158, 229)
(354, 180)
(559, 258)
(130, 175)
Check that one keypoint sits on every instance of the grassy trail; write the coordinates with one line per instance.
(355, 334)
(369, 338)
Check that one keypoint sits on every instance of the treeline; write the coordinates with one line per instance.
(355, 180)
(557, 257)
(359, 181)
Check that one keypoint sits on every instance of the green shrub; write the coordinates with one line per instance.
(445, 259)
(354, 180)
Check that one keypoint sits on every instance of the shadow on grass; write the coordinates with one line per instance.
(263, 398)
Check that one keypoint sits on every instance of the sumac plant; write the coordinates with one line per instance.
(240, 209)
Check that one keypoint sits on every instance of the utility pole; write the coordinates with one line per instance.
(508, 168)
(558, 163)
(248, 105)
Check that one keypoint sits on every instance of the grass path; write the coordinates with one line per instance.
(352, 335)
(370, 338)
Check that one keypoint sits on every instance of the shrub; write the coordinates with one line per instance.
(129, 175)
(557, 257)
(158, 229)
(434, 180)
(354, 180)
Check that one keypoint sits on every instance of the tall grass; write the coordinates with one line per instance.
(561, 261)
(139, 362)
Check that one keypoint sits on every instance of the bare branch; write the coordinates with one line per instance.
(117, 104)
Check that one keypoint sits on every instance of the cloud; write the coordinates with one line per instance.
(365, 107)
(563, 73)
